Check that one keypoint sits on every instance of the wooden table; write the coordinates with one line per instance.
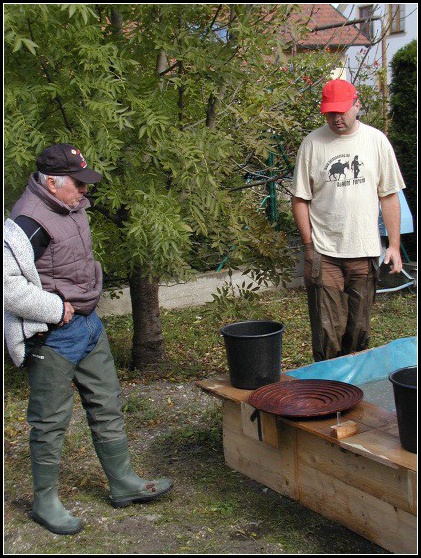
(365, 481)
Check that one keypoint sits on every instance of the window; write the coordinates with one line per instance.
(396, 18)
(367, 12)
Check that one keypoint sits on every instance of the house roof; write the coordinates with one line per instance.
(319, 16)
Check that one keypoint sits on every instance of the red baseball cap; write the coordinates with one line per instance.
(64, 159)
(338, 95)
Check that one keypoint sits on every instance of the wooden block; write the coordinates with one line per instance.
(270, 430)
(251, 428)
(344, 429)
(263, 427)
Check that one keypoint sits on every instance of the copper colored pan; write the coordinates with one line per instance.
(306, 398)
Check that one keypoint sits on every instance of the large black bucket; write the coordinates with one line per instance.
(404, 383)
(254, 353)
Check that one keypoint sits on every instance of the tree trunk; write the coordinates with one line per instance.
(148, 344)
(213, 104)
(211, 112)
(116, 20)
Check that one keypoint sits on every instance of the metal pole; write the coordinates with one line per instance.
(384, 82)
(271, 187)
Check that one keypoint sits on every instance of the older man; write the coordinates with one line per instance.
(52, 287)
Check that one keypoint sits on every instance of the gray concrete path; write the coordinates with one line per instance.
(196, 293)
(193, 293)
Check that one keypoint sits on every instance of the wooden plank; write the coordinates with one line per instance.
(231, 417)
(413, 490)
(371, 415)
(382, 445)
(270, 466)
(221, 387)
(268, 433)
(395, 486)
(250, 428)
(366, 415)
(256, 461)
(389, 527)
(322, 426)
(270, 430)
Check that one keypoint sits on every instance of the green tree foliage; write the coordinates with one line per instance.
(175, 104)
(364, 77)
(403, 128)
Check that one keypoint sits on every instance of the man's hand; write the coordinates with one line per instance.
(393, 257)
(68, 313)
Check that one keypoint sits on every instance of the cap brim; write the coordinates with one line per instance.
(87, 176)
(340, 106)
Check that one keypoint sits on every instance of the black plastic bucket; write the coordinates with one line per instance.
(254, 353)
(404, 383)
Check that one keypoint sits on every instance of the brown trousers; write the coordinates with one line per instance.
(340, 294)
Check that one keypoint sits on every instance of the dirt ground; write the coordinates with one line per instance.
(174, 431)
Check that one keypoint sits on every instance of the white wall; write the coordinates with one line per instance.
(393, 42)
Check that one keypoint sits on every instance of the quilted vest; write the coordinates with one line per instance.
(67, 267)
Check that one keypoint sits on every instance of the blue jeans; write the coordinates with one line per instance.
(75, 340)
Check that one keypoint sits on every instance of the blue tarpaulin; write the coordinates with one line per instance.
(365, 366)
(407, 223)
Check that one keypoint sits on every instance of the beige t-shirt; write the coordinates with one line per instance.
(343, 177)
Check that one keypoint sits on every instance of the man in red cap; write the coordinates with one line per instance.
(336, 211)
(52, 286)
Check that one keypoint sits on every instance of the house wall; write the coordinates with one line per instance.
(394, 42)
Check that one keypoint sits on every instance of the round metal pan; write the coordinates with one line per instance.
(306, 398)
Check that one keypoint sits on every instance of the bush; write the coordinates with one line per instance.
(403, 128)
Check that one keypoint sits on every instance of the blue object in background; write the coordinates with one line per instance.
(407, 223)
(365, 366)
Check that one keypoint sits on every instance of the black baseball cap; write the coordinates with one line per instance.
(64, 159)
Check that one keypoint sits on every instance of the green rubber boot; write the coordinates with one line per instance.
(47, 508)
(126, 486)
